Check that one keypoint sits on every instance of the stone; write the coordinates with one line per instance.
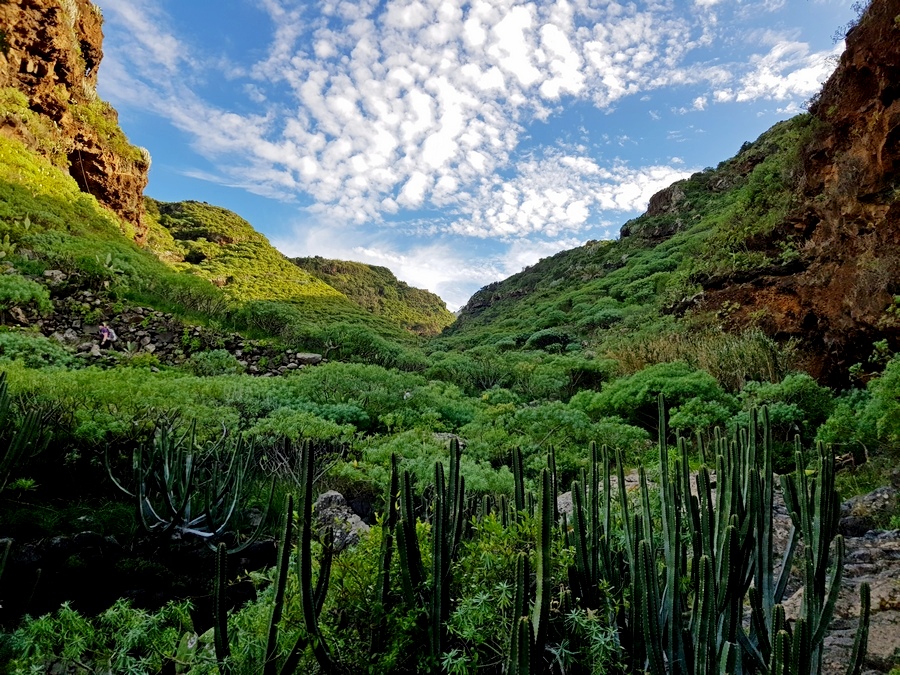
(95, 350)
(18, 315)
(307, 359)
(55, 277)
(332, 510)
(868, 511)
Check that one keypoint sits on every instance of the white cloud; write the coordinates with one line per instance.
(153, 45)
(372, 110)
(787, 71)
(557, 193)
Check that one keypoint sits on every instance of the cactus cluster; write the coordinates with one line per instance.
(721, 539)
(447, 520)
(312, 597)
(182, 486)
(699, 587)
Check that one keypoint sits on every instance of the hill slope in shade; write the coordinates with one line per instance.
(797, 236)
(611, 292)
(378, 291)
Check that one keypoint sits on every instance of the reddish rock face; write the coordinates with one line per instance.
(847, 223)
(52, 54)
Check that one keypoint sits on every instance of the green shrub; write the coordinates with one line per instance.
(120, 639)
(17, 291)
(213, 362)
(297, 425)
(863, 421)
(798, 405)
(634, 398)
(884, 407)
(549, 339)
(34, 350)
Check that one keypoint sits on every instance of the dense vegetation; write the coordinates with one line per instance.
(380, 292)
(618, 295)
(573, 350)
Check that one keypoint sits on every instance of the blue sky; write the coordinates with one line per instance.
(454, 142)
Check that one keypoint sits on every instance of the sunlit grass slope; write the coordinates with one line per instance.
(377, 290)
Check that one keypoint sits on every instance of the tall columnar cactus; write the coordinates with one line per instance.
(281, 574)
(520, 642)
(723, 537)
(814, 506)
(312, 600)
(220, 610)
(446, 531)
(529, 634)
(389, 526)
(595, 558)
(518, 481)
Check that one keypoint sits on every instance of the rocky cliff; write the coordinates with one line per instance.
(845, 227)
(50, 51)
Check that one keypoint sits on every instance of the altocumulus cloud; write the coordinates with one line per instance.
(373, 109)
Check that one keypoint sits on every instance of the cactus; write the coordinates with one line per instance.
(519, 480)
(412, 572)
(529, 634)
(26, 439)
(309, 601)
(546, 521)
(176, 492)
(727, 533)
(862, 631)
(388, 528)
(281, 573)
(448, 514)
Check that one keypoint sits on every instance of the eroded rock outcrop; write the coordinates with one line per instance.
(846, 228)
(50, 51)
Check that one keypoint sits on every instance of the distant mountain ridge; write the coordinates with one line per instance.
(377, 290)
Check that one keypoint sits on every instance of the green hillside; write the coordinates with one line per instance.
(627, 297)
(223, 248)
(377, 290)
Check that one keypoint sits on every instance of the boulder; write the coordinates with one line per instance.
(866, 512)
(332, 510)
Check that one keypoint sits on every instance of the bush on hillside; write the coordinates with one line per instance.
(550, 339)
(634, 398)
(17, 291)
(797, 405)
(33, 350)
(213, 362)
